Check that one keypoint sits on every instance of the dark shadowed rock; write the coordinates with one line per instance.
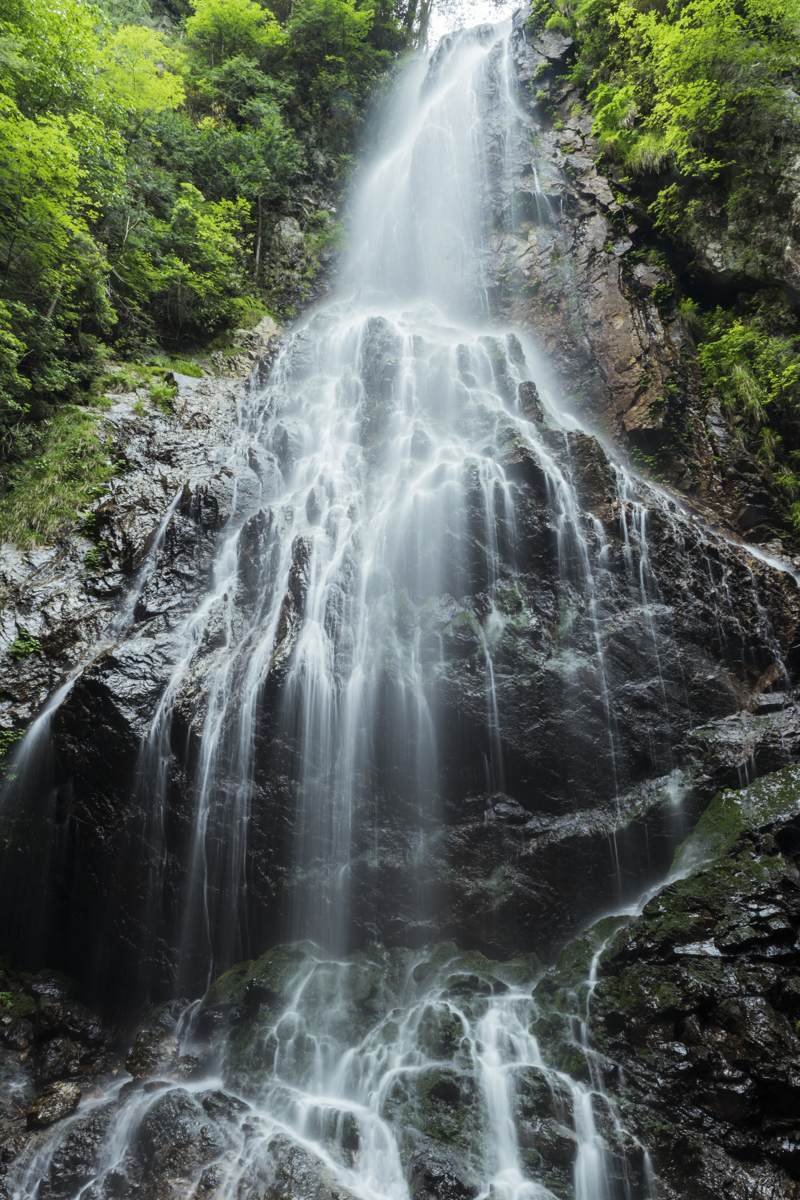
(697, 1002)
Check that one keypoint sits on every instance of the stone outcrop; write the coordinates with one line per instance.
(610, 652)
(572, 273)
(577, 268)
(698, 1009)
(53, 1051)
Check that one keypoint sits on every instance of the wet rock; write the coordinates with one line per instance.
(436, 1173)
(441, 1031)
(750, 743)
(155, 1049)
(58, 1058)
(693, 1004)
(176, 1137)
(298, 1175)
(75, 1157)
(530, 402)
(55, 1103)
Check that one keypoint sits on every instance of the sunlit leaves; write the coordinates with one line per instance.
(142, 169)
(140, 69)
(220, 29)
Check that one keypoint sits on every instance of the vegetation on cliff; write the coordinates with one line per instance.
(147, 155)
(695, 108)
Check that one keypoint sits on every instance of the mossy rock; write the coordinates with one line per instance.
(735, 811)
(260, 980)
(571, 969)
(17, 1004)
(440, 1031)
(440, 1102)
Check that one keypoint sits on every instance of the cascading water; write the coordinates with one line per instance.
(356, 1066)
(376, 528)
(372, 470)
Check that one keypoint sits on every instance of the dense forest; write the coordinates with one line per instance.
(149, 153)
(146, 156)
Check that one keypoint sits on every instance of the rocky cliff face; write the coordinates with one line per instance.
(616, 643)
(579, 269)
(697, 1009)
(612, 652)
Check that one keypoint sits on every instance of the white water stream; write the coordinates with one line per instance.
(370, 1060)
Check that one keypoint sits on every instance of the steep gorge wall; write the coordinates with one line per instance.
(689, 627)
(583, 267)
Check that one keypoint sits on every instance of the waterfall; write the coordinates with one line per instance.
(376, 484)
(353, 1067)
(406, 463)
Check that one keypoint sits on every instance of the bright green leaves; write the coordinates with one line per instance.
(335, 63)
(53, 66)
(686, 84)
(40, 200)
(615, 112)
(13, 384)
(143, 170)
(203, 278)
(140, 69)
(326, 31)
(222, 29)
(754, 372)
(695, 103)
(751, 363)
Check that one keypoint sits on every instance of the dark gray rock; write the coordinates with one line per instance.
(298, 1175)
(56, 1102)
(697, 1004)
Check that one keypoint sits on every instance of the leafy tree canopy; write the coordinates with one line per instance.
(147, 150)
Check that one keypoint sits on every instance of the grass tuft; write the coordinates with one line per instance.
(49, 492)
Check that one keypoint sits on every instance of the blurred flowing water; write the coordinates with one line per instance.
(372, 465)
(353, 1069)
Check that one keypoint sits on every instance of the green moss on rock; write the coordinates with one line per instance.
(735, 811)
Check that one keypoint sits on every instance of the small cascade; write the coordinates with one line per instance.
(352, 1063)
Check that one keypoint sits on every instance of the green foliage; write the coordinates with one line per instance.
(141, 175)
(750, 360)
(692, 92)
(48, 489)
(163, 395)
(24, 645)
(185, 366)
(8, 740)
(222, 29)
(201, 285)
(330, 51)
(17, 1004)
(754, 370)
(693, 103)
(93, 560)
(140, 70)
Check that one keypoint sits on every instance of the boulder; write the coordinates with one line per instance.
(57, 1101)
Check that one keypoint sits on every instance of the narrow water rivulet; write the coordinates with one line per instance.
(422, 725)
